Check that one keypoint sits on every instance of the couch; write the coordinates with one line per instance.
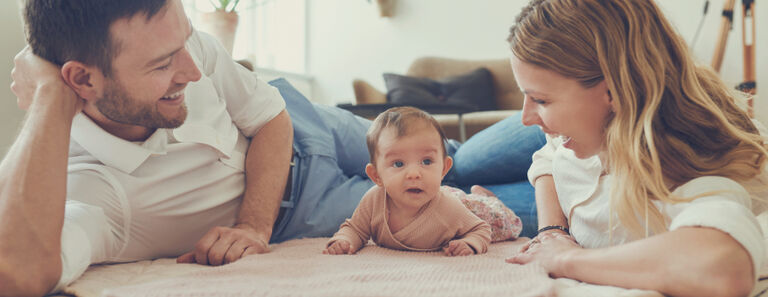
(509, 99)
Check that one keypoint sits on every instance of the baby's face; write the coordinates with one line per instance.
(411, 167)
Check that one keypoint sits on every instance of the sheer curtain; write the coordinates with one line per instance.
(271, 33)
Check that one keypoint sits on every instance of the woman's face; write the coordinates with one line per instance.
(563, 107)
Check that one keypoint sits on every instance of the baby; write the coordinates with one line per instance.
(407, 209)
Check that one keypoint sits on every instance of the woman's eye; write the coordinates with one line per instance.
(426, 161)
(538, 101)
(397, 164)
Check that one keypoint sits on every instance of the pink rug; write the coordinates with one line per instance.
(297, 268)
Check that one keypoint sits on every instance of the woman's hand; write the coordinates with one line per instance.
(549, 249)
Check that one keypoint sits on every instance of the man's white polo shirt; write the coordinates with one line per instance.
(128, 201)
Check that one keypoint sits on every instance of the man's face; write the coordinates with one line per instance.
(150, 71)
(119, 106)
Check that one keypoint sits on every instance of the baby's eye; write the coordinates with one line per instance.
(426, 161)
(397, 164)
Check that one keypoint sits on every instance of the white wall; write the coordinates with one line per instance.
(12, 42)
(347, 39)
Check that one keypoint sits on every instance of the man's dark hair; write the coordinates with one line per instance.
(78, 30)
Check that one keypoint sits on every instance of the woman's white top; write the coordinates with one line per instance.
(584, 194)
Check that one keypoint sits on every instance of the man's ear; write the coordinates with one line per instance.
(86, 81)
(370, 170)
(447, 164)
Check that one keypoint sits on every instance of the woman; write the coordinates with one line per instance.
(649, 159)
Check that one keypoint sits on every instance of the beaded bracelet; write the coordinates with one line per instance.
(561, 228)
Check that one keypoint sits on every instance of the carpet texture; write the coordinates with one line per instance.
(297, 268)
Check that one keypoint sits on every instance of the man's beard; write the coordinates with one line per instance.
(120, 107)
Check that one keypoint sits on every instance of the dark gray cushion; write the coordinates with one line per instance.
(473, 89)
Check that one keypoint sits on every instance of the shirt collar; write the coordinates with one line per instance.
(114, 151)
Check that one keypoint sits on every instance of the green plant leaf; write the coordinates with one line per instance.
(224, 5)
(235, 5)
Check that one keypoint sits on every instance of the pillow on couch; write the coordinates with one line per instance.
(474, 89)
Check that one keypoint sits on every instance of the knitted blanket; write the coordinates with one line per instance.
(297, 268)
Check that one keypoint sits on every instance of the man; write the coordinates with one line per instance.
(143, 139)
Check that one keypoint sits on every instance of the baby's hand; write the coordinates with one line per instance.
(458, 248)
(339, 247)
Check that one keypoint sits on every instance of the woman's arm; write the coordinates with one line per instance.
(548, 210)
(548, 207)
(690, 261)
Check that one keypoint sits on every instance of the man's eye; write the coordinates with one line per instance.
(426, 161)
(163, 68)
(397, 164)
(166, 66)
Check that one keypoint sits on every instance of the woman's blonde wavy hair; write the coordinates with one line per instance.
(674, 120)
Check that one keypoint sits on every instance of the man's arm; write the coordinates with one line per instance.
(266, 172)
(33, 178)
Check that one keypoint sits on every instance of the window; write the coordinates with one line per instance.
(271, 33)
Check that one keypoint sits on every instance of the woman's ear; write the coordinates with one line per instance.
(86, 81)
(447, 164)
(603, 87)
(607, 97)
(370, 170)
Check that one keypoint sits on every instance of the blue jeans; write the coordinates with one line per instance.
(498, 158)
(499, 154)
(330, 154)
(328, 175)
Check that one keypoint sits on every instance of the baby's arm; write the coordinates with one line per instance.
(339, 247)
(354, 232)
(476, 240)
(458, 247)
(347, 240)
(473, 235)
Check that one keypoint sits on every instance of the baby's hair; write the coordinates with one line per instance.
(402, 119)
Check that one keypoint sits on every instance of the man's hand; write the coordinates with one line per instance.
(458, 248)
(223, 245)
(31, 72)
(339, 247)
